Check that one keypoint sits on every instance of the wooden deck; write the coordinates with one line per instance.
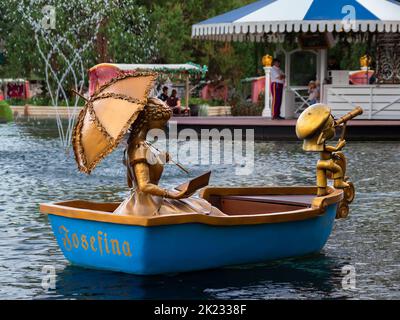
(259, 121)
(264, 128)
(267, 129)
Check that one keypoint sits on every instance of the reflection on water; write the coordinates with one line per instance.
(33, 169)
(264, 281)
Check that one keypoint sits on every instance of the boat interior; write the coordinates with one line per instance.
(241, 206)
(233, 201)
(230, 205)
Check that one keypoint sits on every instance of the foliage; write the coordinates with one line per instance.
(6, 113)
(173, 20)
(143, 31)
(243, 108)
(348, 55)
(203, 110)
(200, 101)
(195, 101)
(124, 35)
(247, 109)
(129, 34)
(21, 56)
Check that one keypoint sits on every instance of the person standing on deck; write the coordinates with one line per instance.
(277, 83)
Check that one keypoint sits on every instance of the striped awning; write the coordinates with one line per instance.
(160, 68)
(280, 16)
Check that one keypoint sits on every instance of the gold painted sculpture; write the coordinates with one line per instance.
(145, 165)
(107, 116)
(117, 106)
(267, 60)
(316, 126)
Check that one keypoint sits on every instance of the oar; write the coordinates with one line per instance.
(174, 162)
(80, 95)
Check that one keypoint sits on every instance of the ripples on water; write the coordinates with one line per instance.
(33, 169)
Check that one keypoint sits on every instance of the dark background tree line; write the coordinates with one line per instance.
(163, 35)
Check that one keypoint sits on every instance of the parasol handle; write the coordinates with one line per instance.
(80, 95)
(351, 115)
(180, 166)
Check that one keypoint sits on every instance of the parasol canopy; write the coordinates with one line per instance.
(279, 16)
(107, 116)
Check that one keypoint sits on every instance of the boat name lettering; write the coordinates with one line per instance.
(99, 243)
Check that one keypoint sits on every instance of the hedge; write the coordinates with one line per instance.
(6, 113)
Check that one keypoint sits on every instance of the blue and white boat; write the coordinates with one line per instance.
(261, 224)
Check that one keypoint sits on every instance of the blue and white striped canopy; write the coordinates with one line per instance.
(278, 16)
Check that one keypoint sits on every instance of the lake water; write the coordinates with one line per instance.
(34, 169)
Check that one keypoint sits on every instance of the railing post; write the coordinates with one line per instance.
(267, 107)
(371, 102)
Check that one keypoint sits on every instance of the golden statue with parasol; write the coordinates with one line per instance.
(121, 106)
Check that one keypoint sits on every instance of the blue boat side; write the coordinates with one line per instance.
(147, 250)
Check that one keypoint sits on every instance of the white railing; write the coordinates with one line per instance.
(378, 101)
(301, 98)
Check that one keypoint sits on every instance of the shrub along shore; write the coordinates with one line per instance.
(6, 114)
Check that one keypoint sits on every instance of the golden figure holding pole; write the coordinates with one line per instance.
(316, 125)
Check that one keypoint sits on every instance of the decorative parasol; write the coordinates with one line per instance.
(107, 116)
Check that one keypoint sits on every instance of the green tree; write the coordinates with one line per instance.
(143, 31)
(124, 36)
(129, 34)
(21, 57)
(173, 21)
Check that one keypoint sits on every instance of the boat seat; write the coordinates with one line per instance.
(261, 204)
(301, 200)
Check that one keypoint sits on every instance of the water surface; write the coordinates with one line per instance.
(33, 169)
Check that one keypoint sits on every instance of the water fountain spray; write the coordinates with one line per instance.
(63, 57)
